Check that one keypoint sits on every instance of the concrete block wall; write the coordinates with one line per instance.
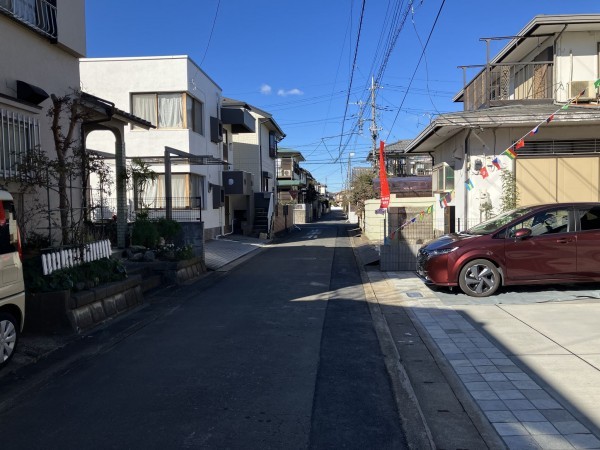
(87, 309)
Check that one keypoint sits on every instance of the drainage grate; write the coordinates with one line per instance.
(414, 294)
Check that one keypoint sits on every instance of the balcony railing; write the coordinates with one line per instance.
(504, 83)
(40, 15)
(184, 209)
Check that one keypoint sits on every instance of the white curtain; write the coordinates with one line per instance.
(144, 106)
(170, 113)
(150, 194)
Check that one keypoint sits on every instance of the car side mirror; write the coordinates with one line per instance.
(522, 233)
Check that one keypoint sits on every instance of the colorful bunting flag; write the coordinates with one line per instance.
(448, 197)
(469, 184)
(413, 220)
(550, 119)
(510, 153)
(520, 143)
(429, 209)
(534, 131)
(565, 106)
(496, 162)
(597, 83)
(484, 172)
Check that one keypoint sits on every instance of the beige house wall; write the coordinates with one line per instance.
(375, 225)
(550, 180)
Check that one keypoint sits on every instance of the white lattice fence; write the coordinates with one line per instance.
(62, 258)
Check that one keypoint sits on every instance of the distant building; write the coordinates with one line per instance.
(400, 164)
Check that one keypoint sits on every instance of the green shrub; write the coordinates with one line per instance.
(145, 232)
(89, 274)
(167, 229)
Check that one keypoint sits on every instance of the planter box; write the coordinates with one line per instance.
(81, 311)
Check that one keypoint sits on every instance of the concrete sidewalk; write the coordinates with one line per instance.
(220, 252)
(532, 370)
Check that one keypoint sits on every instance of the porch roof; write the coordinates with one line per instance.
(447, 125)
(102, 106)
(290, 183)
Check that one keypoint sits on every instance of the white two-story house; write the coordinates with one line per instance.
(537, 98)
(255, 153)
(184, 105)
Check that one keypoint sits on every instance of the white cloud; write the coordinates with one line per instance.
(265, 89)
(284, 93)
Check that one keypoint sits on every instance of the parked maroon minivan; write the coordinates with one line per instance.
(554, 243)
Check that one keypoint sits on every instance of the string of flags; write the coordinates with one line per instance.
(510, 153)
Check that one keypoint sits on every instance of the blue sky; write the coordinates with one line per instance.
(294, 59)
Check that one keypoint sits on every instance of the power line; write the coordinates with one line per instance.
(417, 66)
(211, 32)
(362, 13)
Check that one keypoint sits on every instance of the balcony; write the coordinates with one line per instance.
(503, 84)
(39, 15)
(287, 169)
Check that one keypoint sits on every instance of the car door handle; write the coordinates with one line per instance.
(564, 241)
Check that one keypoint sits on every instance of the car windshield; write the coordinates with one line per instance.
(491, 225)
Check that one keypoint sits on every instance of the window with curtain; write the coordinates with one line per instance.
(144, 106)
(166, 110)
(185, 188)
(170, 114)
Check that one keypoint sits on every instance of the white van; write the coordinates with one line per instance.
(12, 288)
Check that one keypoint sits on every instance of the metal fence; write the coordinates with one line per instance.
(184, 209)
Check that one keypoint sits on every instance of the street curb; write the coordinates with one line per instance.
(417, 432)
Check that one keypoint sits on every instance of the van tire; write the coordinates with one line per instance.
(9, 337)
(479, 278)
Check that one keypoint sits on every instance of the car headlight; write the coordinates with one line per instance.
(442, 251)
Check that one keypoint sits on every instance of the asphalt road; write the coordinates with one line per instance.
(278, 353)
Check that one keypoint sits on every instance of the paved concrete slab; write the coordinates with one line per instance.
(220, 252)
(529, 358)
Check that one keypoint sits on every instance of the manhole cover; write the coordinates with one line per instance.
(414, 294)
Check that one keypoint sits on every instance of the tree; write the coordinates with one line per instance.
(141, 175)
(361, 189)
(509, 198)
(59, 172)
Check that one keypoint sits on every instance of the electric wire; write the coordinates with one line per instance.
(417, 67)
(211, 32)
(362, 13)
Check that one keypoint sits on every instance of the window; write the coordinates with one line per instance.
(165, 110)
(272, 144)
(589, 218)
(187, 190)
(442, 178)
(19, 134)
(545, 222)
(195, 114)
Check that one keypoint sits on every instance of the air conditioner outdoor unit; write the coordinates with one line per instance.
(287, 173)
(588, 88)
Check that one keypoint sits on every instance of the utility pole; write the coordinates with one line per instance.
(374, 128)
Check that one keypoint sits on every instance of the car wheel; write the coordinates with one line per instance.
(479, 278)
(9, 335)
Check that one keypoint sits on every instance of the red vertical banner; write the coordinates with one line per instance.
(383, 181)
